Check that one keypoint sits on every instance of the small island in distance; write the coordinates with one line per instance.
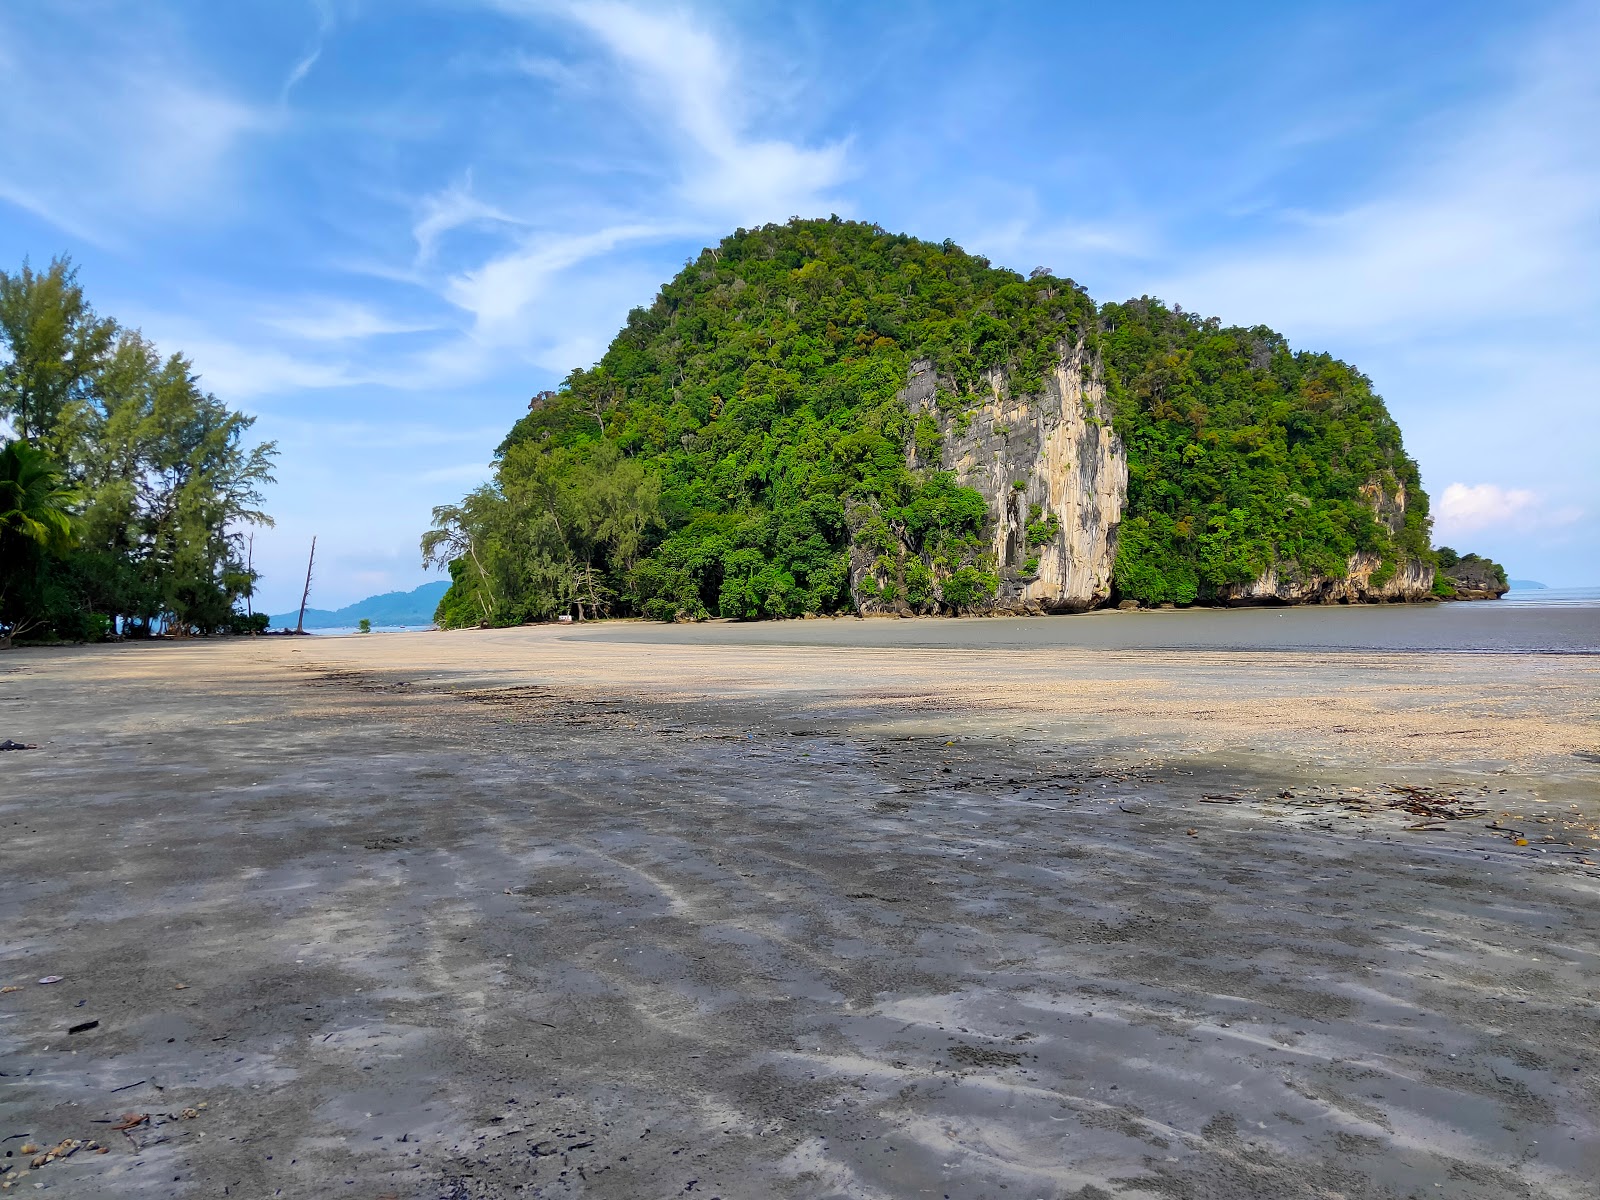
(415, 607)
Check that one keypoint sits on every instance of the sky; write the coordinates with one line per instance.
(380, 226)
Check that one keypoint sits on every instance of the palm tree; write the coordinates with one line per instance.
(35, 517)
(35, 502)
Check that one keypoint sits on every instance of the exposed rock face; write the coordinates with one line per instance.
(1050, 462)
(1476, 579)
(1409, 582)
(1055, 476)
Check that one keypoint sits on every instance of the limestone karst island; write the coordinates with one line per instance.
(823, 417)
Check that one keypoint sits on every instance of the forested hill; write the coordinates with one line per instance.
(415, 607)
(746, 447)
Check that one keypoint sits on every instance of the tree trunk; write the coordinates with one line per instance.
(300, 625)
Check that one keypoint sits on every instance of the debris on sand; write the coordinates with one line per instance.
(8, 744)
(1432, 803)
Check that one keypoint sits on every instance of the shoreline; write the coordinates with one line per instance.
(455, 914)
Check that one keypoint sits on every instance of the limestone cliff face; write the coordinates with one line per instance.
(1282, 585)
(1364, 580)
(1474, 578)
(1055, 477)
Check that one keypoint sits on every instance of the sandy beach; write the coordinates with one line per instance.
(612, 913)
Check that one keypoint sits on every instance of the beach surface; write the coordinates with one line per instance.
(634, 911)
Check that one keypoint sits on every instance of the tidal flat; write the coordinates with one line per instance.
(634, 911)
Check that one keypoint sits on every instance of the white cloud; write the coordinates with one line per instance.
(241, 372)
(500, 292)
(1472, 508)
(97, 138)
(1502, 214)
(553, 292)
(454, 208)
(338, 321)
(302, 66)
(683, 78)
(681, 71)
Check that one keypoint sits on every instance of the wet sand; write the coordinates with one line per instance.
(547, 912)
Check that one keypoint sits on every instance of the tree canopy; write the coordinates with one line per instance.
(146, 479)
(753, 415)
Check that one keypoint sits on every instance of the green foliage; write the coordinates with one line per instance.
(559, 530)
(968, 586)
(1244, 455)
(758, 400)
(151, 474)
(245, 623)
(35, 501)
(1041, 528)
(364, 625)
(761, 392)
(1470, 571)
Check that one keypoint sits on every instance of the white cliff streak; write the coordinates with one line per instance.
(1055, 477)
(1060, 448)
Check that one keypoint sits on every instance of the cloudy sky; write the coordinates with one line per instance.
(381, 225)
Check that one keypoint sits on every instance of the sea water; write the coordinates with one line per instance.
(1552, 621)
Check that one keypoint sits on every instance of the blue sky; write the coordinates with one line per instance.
(382, 226)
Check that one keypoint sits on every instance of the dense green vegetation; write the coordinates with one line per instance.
(1469, 573)
(123, 485)
(744, 434)
(742, 429)
(1244, 455)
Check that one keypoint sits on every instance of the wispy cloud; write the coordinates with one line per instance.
(1502, 212)
(302, 66)
(98, 138)
(332, 320)
(499, 293)
(553, 286)
(683, 75)
(244, 372)
(454, 208)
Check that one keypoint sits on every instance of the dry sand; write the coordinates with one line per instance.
(531, 913)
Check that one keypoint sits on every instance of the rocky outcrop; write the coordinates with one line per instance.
(1474, 578)
(1054, 475)
(1366, 579)
(1364, 582)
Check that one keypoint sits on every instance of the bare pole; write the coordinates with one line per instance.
(300, 625)
(250, 572)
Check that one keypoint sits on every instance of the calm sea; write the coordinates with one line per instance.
(1557, 621)
(347, 630)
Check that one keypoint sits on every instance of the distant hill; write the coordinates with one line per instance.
(392, 608)
(1528, 585)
